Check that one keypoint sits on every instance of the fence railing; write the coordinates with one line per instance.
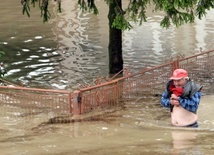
(106, 94)
(148, 82)
(22, 101)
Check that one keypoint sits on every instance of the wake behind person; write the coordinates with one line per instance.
(182, 96)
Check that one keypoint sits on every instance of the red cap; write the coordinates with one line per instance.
(179, 74)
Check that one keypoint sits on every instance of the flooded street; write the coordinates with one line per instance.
(71, 50)
(137, 129)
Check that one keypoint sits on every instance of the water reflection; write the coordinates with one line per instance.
(185, 142)
(183, 139)
(78, 43)
(159, 44)
(28, 45)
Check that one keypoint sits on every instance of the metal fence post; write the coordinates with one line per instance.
(76, 102)
(175, 65)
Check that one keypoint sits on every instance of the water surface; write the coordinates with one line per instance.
(73, 49)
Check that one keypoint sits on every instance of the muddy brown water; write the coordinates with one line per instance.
(137, 128)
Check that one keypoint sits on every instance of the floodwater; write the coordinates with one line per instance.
(72, 49)
(139, 128)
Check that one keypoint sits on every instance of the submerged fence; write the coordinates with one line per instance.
(105, 94)
(22, 102)
(149, 81)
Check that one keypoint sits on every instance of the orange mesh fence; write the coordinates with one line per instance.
(201, 69)
(22, 102)
(148, 82)
(110, 94)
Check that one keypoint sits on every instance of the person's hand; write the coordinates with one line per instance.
(174, 100)
(173, 96)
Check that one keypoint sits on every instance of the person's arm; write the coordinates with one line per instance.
(191, 104)
(165, 100)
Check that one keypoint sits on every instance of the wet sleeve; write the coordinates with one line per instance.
(191, 104)
(165, 101)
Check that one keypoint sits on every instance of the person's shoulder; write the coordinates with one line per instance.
(195, 84)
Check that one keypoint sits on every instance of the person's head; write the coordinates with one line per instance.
(179, 77)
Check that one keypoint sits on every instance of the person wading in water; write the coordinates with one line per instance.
(182, 96)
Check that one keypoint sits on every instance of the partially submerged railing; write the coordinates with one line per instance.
(108, 94)
(22, 101)
(149, 81)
